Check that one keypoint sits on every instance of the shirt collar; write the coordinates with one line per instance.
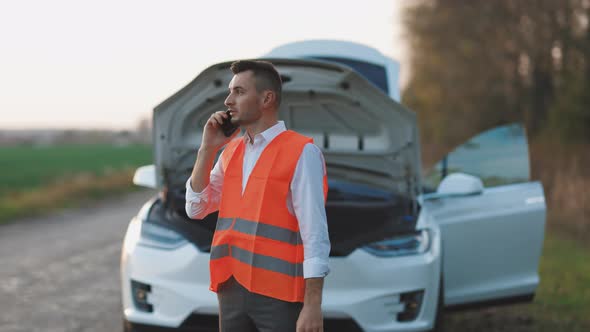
(269, 134)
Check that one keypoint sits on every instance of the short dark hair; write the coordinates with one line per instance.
(267, 76)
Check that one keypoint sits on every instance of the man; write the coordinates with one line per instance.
(270, 249)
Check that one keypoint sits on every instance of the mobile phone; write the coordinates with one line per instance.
(227, 126)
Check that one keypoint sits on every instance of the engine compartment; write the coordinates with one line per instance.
(357, 215)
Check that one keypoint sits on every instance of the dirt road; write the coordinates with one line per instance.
(61, 273)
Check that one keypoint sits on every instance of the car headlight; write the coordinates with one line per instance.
(157, 235)
(408, 244)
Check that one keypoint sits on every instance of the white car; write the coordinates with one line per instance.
(405, 245)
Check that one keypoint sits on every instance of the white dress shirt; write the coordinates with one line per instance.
(305, 199)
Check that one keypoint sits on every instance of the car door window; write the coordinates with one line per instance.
(497, 156)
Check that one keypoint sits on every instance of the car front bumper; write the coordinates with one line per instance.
(362, 292)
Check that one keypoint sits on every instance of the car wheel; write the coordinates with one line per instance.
(126, 327)
(438, 318)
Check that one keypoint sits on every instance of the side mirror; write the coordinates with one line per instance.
(145, 176)
(460, 184)
(456, 184)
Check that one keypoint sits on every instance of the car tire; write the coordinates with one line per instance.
(438, 316)
(126, 327)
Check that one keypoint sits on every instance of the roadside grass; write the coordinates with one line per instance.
(78, 189)
(24, 168)
(36, 180)
(562, 301)
(565, 273)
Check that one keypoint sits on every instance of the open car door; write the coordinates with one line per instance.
(491, 238)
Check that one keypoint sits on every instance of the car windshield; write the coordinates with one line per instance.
(372, 72)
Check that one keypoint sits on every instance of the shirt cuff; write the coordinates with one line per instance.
(315, 268)
(192, 196)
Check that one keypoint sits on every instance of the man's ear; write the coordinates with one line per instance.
(269, 98)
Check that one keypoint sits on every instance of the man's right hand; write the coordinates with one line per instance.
(213, 137)
(213, 140)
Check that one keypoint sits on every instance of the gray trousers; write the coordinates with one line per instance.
(243, 311)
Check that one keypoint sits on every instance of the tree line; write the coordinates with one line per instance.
(478, 64)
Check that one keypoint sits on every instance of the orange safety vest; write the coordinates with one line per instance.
(257, 240)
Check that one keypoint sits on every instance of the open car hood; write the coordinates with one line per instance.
(366, 137)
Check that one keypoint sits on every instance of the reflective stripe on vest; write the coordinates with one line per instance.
(257, 239)
(258, 229)
(257, 260)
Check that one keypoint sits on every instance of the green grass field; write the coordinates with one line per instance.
(28, 168)
(35, 180)
(565, 272)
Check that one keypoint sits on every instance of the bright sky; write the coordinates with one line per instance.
(106, 64)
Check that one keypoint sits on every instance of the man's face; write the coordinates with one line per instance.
(243, 100)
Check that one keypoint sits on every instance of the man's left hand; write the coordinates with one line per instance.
(310, 319)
